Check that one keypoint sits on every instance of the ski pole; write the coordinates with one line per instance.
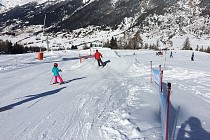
(51, 79)
(93, 63)
(60, 73)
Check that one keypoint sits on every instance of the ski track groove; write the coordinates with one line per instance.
(82, 109)
(70, 121)
(35, 125)
(35, 102)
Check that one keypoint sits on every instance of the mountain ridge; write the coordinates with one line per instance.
(164, 18)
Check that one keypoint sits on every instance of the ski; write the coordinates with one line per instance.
(57, 83)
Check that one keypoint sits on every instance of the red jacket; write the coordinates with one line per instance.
(97, 55)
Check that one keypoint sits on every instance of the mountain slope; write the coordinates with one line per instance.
(74, 14)
(162, 20)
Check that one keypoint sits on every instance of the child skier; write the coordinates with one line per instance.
(56, 71)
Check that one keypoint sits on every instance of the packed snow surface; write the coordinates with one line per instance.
(116, 102)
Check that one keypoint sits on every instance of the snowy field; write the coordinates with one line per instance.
(117, 102)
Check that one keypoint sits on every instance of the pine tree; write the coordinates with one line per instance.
(9, 46)
(146, 46)
(197, 48)
(201, 49)
(136, 41)
(113, 43)
(158, 45)
(3, 48)
(73, 47)
(129, 45)
(186, 45)
(208, 50)
(106, 44)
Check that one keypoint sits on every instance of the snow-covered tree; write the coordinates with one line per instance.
(186, 45)
(113, 43)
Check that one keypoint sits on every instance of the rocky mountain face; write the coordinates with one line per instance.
(168, 16)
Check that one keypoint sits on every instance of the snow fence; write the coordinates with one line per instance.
(167, 112)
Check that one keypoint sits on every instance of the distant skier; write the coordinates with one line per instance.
(192, 57)
(171, 55)
(56, 71)
(98, 57)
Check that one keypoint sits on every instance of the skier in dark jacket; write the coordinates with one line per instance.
(192, 57)
(98, 57)
(171, 55)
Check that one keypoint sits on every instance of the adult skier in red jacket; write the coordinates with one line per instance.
(98, 57)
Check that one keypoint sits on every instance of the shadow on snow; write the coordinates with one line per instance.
(30, 98)
(192, 129)
(68, 81)
(107, 61)
(69, 59)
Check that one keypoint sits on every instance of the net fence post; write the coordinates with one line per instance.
(168, 109)
(151, 71)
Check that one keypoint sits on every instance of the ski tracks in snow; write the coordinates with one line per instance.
(94, 106)
(101, 108)
(77, 120)
(121, 123)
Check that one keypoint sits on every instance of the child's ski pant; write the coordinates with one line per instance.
(58, 77)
